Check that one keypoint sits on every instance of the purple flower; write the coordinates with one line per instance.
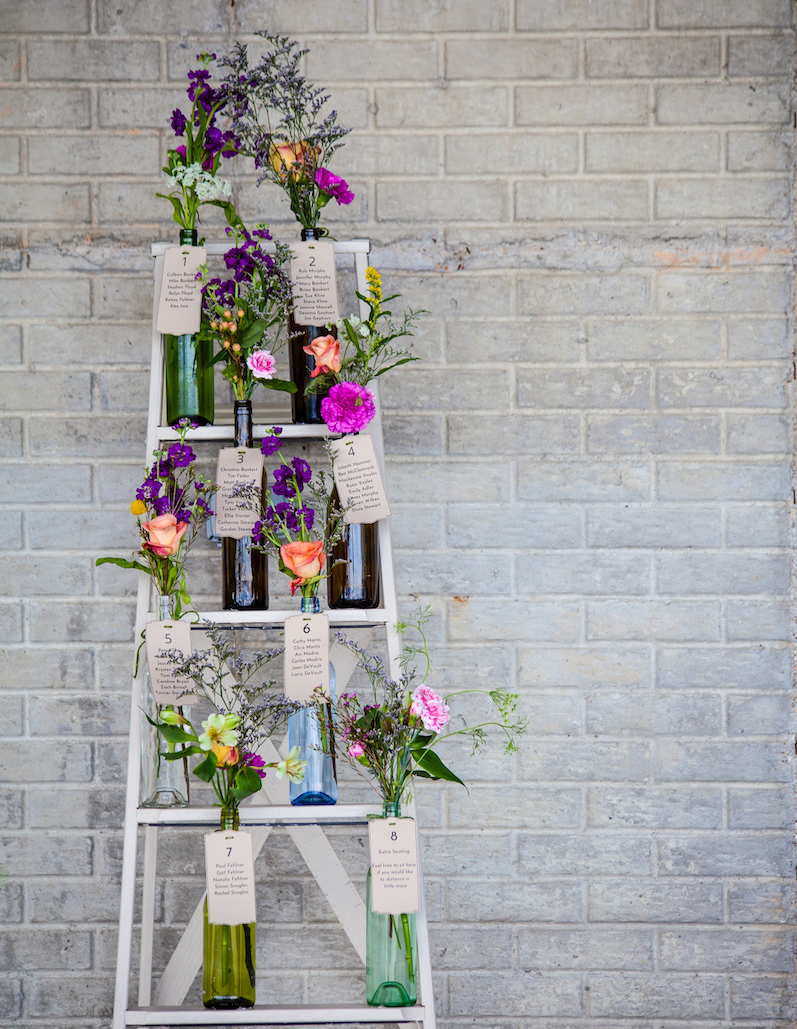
(302, 472)
(239, 261)
(348, 408)
(181, 151)
(181, 455)
(179, 121)
(334, 186)
(272, 443)
(283, 481)
(255, 761)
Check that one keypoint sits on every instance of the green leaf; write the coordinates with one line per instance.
(123, 563)
(178, 755)
(245, 783)
(253, 333)
(175, 733)
(429, 763)
(177, 204)
(280, 384)
(207, 769)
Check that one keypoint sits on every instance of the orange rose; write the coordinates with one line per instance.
(304, 560)
(224, 755)
(290, 158)
(165, 534)
(326, 351)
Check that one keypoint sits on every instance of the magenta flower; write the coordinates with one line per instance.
(333, 185)
(430, 708)
(348, 408)
(255, 761)
(261, 364)
(356, 750)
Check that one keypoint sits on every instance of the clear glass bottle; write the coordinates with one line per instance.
(228, 953)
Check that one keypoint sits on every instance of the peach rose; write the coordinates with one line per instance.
(165, 534)
(224, 755)
(304, 560)
(289, 158)
(326, 351)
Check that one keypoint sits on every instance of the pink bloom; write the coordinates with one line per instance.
(356, 750)
(333, 185)
(261, 364)
(430, 708)
(165, 535)
(348, 408)
(326, 351)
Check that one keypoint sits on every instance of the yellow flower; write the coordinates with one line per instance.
(374, 281)
(138, 507)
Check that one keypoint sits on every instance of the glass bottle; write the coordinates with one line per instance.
(391, 947)
(354, 579)
(244, 569)
(189, 373)
(228, 952)
(164, 784)
(315, 743)
(306, 410)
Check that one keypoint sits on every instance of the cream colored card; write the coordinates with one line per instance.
(180, 301)
(230, 875)
(168, 688)
(393, 844)
(315, 290)
(357, 477)
(236, 467)
(306, 659)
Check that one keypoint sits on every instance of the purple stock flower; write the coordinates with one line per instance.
(348, 408)
(334, 186)
(181, 455)
(255, 761)
(179, 121)
(283, 481)
(271, 443)
(302, 471)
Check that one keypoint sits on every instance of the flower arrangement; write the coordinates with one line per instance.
(192, 166)
(367, 353)
(277, 120)
(241, 313)
(244, 715)
(171, 505)
(287, 527)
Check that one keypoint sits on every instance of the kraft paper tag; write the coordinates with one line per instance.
(315, 290)
(230, 875)
(306, 659)
(237, 466)
(357, 477)
(180, 301)
(166, 687)
(393, 843)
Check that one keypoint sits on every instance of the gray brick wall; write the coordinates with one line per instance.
(589, 472)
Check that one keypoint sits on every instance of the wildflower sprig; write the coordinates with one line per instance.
(279, 121)
(245, 713)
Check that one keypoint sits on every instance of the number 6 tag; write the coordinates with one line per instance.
(306, 660)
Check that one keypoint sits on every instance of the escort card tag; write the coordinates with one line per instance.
(237, 466)
(168, 688)
(315, 290)
(357, 477)
(306, 659)
(394, 865)
(180, 301)
(230, 875)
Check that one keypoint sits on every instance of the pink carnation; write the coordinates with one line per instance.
(261, 364)
(334, 186)
(356, 750)
(348, 408)
(429, 708)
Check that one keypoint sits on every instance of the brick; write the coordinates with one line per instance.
(720, 761)
(120, 296)
(553, 621)
(758, 620)
(46, 576)
(393, 155)
(71, 297)
(571, 293)
(148, 107)
(11, 998)
(57, 15)
(585, 760)
(95, 59)
(95, 902)
(631, 57)
(62, 716)
(755, 338)
(760, 715)
(518, 526)
(590, 854)
(653, 527)
(695, 573)
(54, 391)
(46, 949)
(579, 481)
(538, 901)
(524, 153)
(9, 60)
(11, 622)
(576, 387)
(51, 203)
(584, 573)
(417, 527)
(661, 714)
(421, 435)
(750, 525)
(512, 59)
(758, 807)
(86, 997)
(516, 995)
(80, 622)
(40, 483)
(104, 155)
(730, 103)
(637, 151)
(593, 949)
(153, 18)
(11, 436)
(735, 197)
(750, 56)
(581, 15)
(651, 900)
(477, 948)
(680, 14)
(56, 855)
(758, 434)
(9, 156)
(582, 200)
(757, 151)
(344, 16)
(373, 60)
(447, 573)
(75, 809)
(661, 620)
(11, 530)
(87, 344)
(466, 854)
(10, 344)
(428, 389)
(584, 667)
(70, 762)
(633, 995)
(731, 950)
(734, 481)
(721, 387)
(456, 106)
(654, 340)
(423, 16)
(433, 200)
(723, 667)
(521, 434)
(100, 437)
(658, 434)
(758, 998)
(581, 105)
(532, 339)
(45, 108)
(11, 816)
(760, 902)
(406, 478)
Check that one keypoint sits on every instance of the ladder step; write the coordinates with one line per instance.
(276, 1015)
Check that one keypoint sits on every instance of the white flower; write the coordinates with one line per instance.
(205, 185)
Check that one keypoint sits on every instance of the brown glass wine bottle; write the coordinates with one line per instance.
(305, 408)
(354, 578)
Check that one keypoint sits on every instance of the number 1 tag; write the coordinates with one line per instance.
(180, 301)
(393, 843)
(306, 660)
(230, 875)
(166, 687)
(357, 477)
